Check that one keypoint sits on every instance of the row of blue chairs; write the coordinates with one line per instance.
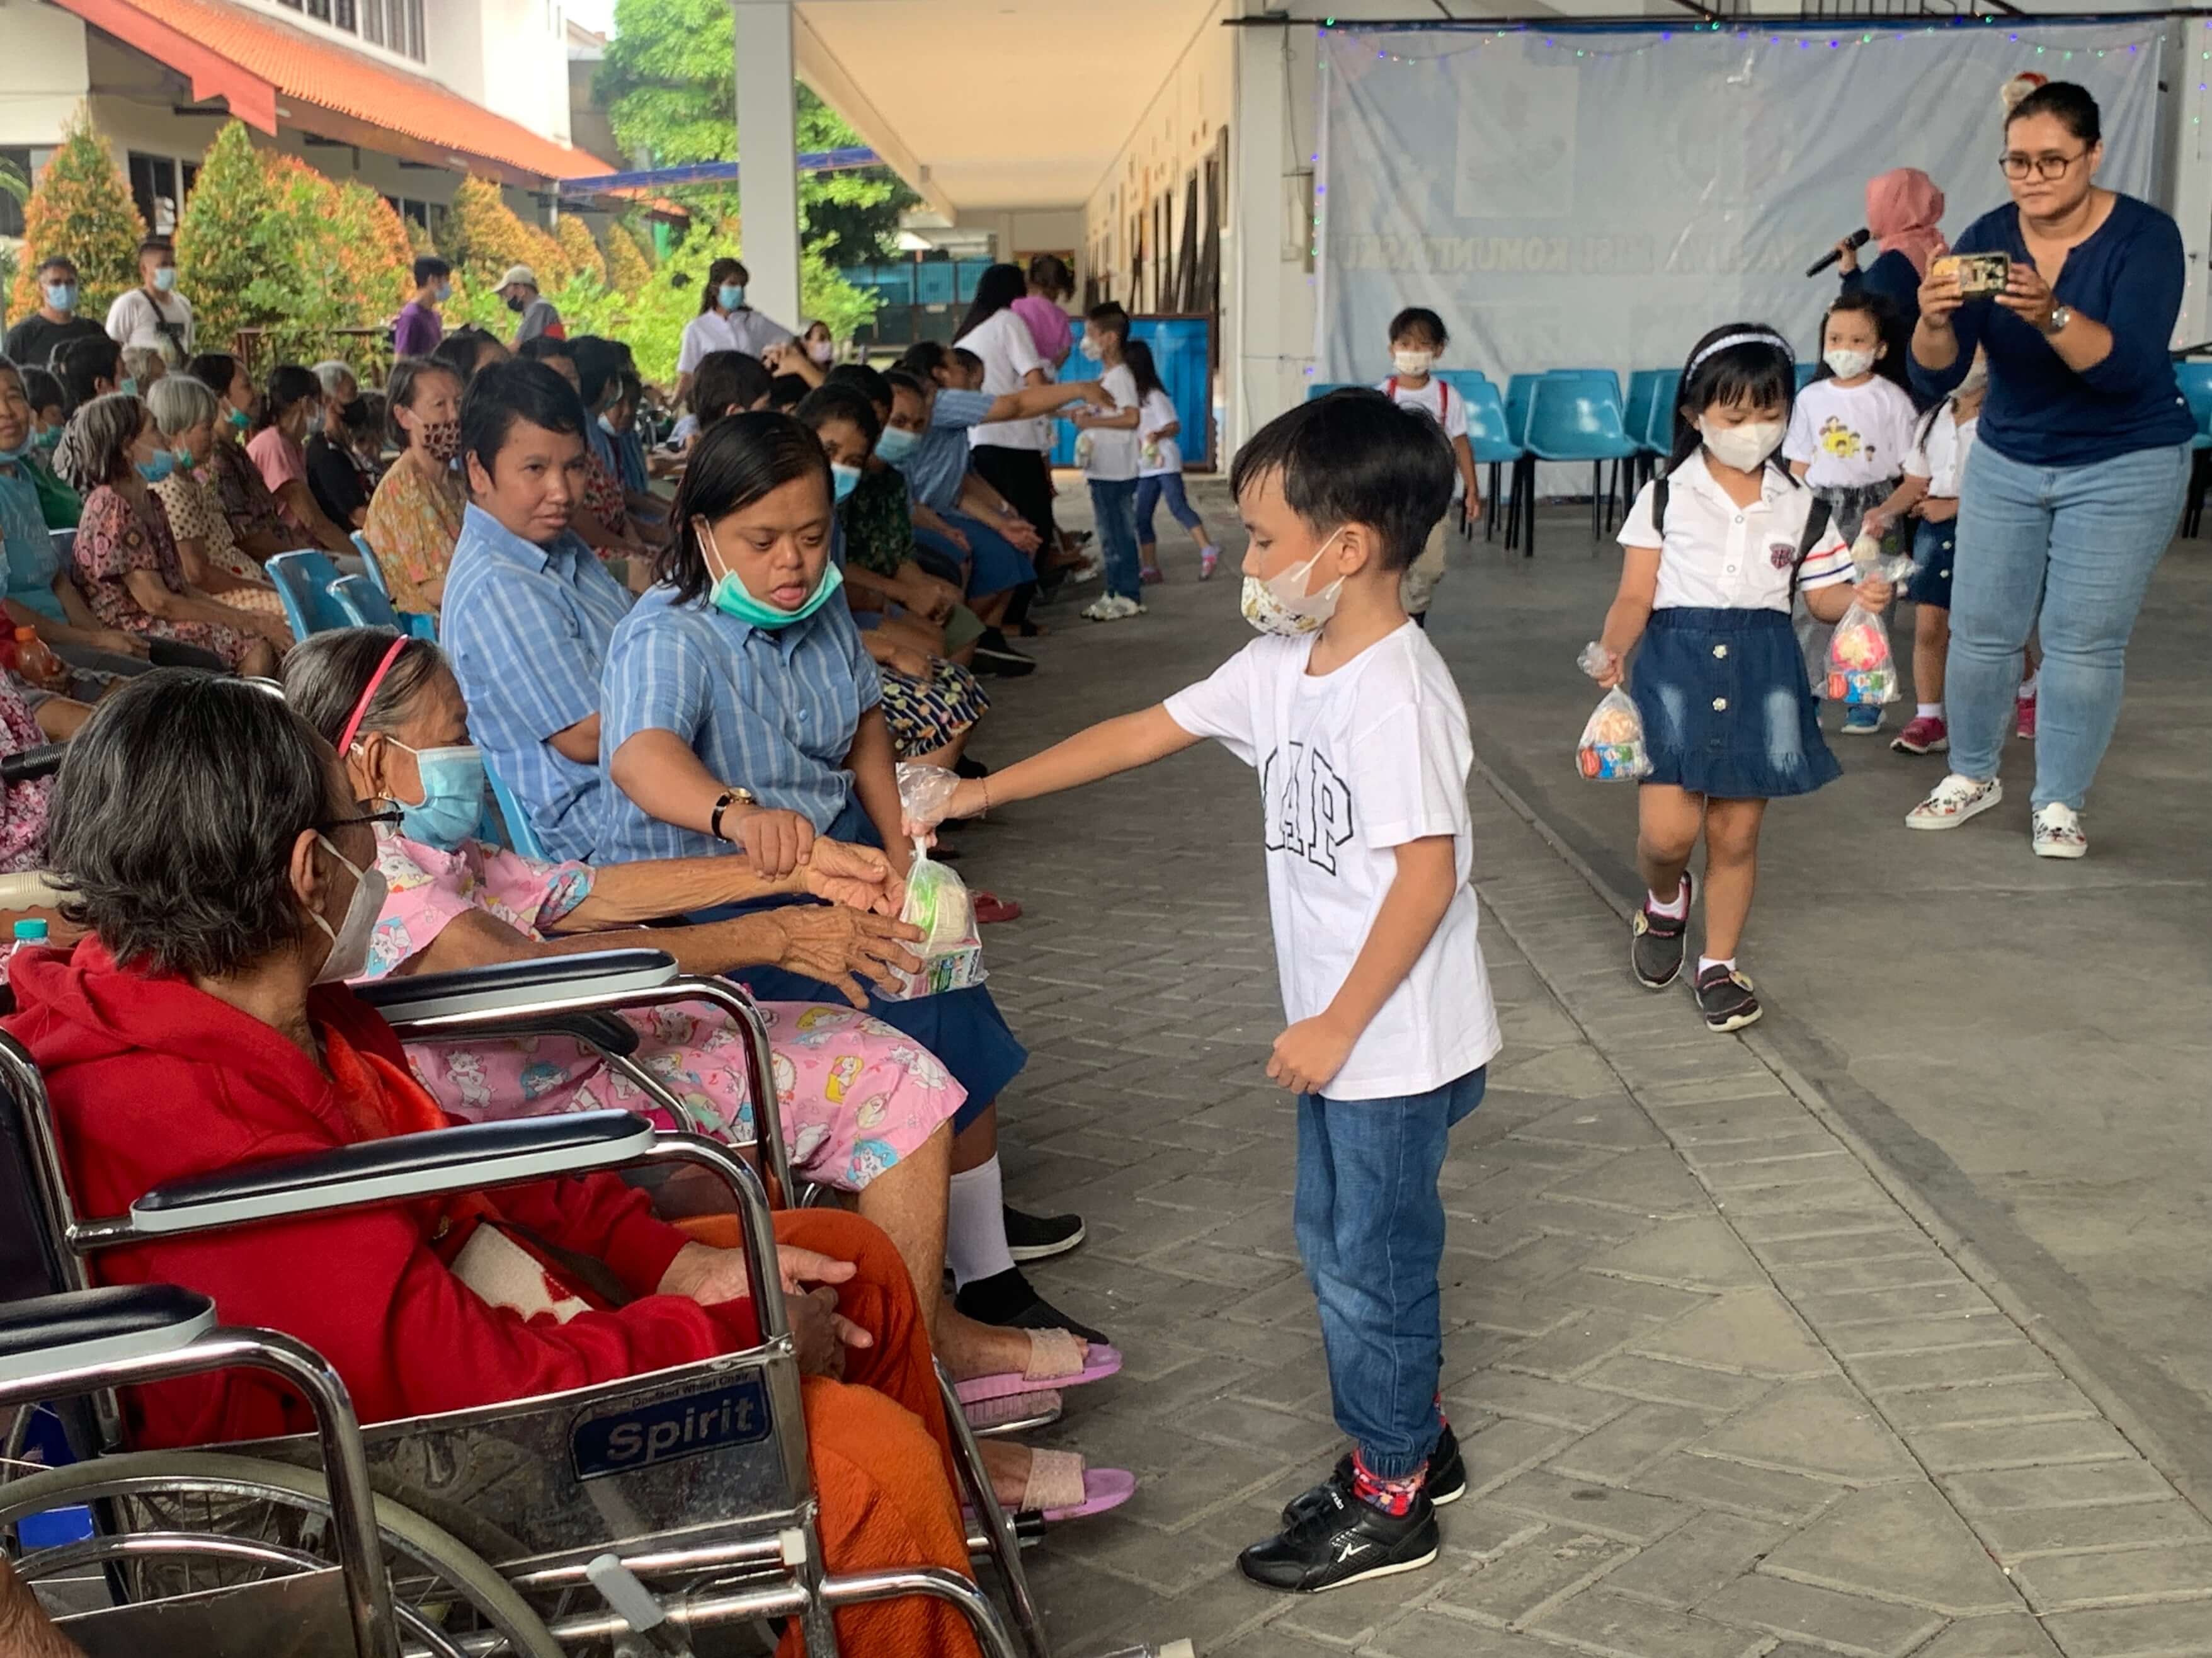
(2195, 379)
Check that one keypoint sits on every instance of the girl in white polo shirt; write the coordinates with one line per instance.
(1716, 547)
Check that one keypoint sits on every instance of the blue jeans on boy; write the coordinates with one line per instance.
(1114, 504)
(1371, 1229)
(2080, 541)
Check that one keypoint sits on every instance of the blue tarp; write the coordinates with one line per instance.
(716, 173)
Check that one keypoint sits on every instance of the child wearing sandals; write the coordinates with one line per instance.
(1716, 549)
(1359, 736)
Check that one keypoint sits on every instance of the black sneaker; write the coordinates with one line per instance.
(1726, 999)
(1340, 1539)
(1655, 942)
(1040, 1237)
(1447, 1481)
(1007, 1300)
(994, 656)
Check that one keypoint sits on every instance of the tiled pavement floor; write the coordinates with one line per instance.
(1720, 1396)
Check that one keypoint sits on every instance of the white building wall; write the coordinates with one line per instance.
(45, 76)
(524, 51)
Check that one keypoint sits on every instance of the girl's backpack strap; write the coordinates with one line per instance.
(1816, 529)
(1659, 506)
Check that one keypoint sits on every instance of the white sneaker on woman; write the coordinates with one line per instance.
(2058, 832)
(1956, 799)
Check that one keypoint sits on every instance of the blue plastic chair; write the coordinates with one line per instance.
(1489, 435)
(1576, 417)
(519, 836)
(304, 582)
(1323, 388)
(364, 605)
(375, 570)
(2195, 381)
(1464, 382)
(1520, 391)
(1805, 373)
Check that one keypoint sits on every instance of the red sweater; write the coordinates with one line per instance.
(153, 1080)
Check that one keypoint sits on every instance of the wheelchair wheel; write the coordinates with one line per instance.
(200, 1519)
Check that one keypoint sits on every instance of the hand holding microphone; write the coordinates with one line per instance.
(1851, 244)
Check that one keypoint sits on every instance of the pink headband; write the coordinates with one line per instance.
(368, 695)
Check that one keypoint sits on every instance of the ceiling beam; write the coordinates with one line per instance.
(820, 69)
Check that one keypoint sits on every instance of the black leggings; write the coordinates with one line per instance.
(1025, 478)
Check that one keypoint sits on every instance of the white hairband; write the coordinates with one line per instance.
(1761, 338)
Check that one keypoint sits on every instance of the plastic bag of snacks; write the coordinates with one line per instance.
(1861, 672)
(937, 899)
(1612, 748)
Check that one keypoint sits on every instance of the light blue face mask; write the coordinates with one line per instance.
(128, 385)
(49, 439)
(452, 796)
(155, 471)
(9, 457)
(896, 444)
(731, 295)
(165, 278)
(444, 292)
(62, 295)
(843, 480)
(728, 595)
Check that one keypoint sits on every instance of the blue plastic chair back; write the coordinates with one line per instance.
(304, 582)
(1607, 377)
(1489, 432)
(1323, 388)
(518, 835)
(375, 570)
(1805, 373)
(1464, 382)
(1519, 393)
(1636, 413)
(1575, 418)
(1658, 429)
(364, 606)
(2196, 379)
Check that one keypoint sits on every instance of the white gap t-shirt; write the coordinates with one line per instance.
(1155, 413)
(1441, 404)
(1852, 435)
(1113, 453)
(1352, 765)
(1941, 457)
(1003, 341)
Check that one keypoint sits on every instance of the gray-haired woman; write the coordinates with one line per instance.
(126, 562)
(185, 411)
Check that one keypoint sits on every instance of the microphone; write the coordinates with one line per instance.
(1858, 238)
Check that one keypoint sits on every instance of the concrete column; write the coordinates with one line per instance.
(768, 156)
(1267, 323)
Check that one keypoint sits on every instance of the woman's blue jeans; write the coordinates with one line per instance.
(2080, 543)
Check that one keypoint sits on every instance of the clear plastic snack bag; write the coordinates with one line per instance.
(1862, 672)
(937, 900)
(1612, 748)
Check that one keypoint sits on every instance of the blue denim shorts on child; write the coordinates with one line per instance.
(1727, 711)
(1934, 546)
(1371, 1228)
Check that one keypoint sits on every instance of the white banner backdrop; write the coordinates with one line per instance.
(1602, 199)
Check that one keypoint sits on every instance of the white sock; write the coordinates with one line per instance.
(2027, 685)
(1706, 962)
(1674, 909)
(1931, 710)
(976, 1226)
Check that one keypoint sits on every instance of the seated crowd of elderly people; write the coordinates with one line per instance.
(698, 704)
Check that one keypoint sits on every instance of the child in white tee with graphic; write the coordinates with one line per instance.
(1360, 740)
(1417, 340)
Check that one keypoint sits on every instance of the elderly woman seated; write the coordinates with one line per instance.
(187, 412)
(126, 562)
(215, 846)
(415, 516)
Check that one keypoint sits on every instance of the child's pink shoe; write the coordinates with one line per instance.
(1208, 559)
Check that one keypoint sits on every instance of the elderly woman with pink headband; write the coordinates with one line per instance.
(1903, 210)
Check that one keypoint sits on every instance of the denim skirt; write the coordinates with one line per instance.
(1934, 547)
(1727, 712)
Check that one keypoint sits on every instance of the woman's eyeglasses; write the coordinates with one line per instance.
(2017, 167)
(390, 819)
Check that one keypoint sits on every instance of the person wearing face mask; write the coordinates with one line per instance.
(821, 349)
(418, 328)
(32, 341)
(1417, 339)
(743, 716)
(293, 407)
(257, 520)
(1360, 740)
(154, 313)
(518, 290)
(415, 517)
(185, 412)
(1849, 431)
(1109, 441)
(205, 1028)
(335, 477)
(58, 504)
(1716, 548)
(725, 323)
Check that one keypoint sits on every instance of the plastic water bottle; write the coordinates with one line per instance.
(29, 935)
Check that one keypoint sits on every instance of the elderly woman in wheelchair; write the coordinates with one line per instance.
(215, 846)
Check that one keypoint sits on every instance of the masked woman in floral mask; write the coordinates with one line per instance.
(415, 517)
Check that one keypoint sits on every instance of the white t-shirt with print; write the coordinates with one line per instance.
(1002, 341)
(1855, 434)
(1155, 415)
(1353, 765)
(1114, 452)
(138, 318)
(1716, 555)
(1441, 404)
(1941, 457)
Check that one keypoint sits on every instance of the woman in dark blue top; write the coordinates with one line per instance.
(2075, 486)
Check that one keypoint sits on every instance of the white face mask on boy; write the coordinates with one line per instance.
(1279, 603)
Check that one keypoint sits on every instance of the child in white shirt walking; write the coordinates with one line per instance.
(1108, 455)
(1417, 340)
(1849, 436)
(1360, 740)
(1160, 470)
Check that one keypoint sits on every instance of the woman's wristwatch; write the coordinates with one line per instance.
(2055, 323)
(727, 798)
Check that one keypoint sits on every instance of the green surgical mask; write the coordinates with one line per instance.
(728, 595)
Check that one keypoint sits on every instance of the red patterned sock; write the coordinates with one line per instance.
(1392, 1497)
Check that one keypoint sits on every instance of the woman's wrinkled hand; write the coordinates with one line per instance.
(859, 878)
(842, 947)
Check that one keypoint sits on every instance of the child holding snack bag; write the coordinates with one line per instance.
(1716, 547)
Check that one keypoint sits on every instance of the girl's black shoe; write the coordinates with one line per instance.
(1655, 942)
(1726, 999)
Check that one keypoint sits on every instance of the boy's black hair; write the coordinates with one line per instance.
(728, 382)
(1110, 317)
(507, 393)
(43, 391)
(1889, 328)
(1420, 317)
(1355, 457)
(868, 382)
(902, 379)
(831, 401)
(430, 268)
(85, 361)
(544, 348)
(968, 360)
(785, 392)
(597, 360)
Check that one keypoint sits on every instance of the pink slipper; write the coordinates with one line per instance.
(1056, 1359)
(1061, 1487)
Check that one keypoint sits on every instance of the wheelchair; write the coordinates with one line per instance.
(621, 1517)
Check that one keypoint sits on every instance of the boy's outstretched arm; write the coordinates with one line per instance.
(1314, 1050)
(1122, 744)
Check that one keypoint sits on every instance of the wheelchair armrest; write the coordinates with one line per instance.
(26, 764)
(89, 1328)
(539, 986)
(605, 1031)
(467, 1158)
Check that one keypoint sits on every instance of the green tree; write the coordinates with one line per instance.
(628, 268)
(583, 253)
(81, 208)
(667, 86)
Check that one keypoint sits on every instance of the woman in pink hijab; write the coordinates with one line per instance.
(1903, 208)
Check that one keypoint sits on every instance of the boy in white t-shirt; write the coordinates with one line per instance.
(1417, 340)
(1108, 451)
(1360, 740)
